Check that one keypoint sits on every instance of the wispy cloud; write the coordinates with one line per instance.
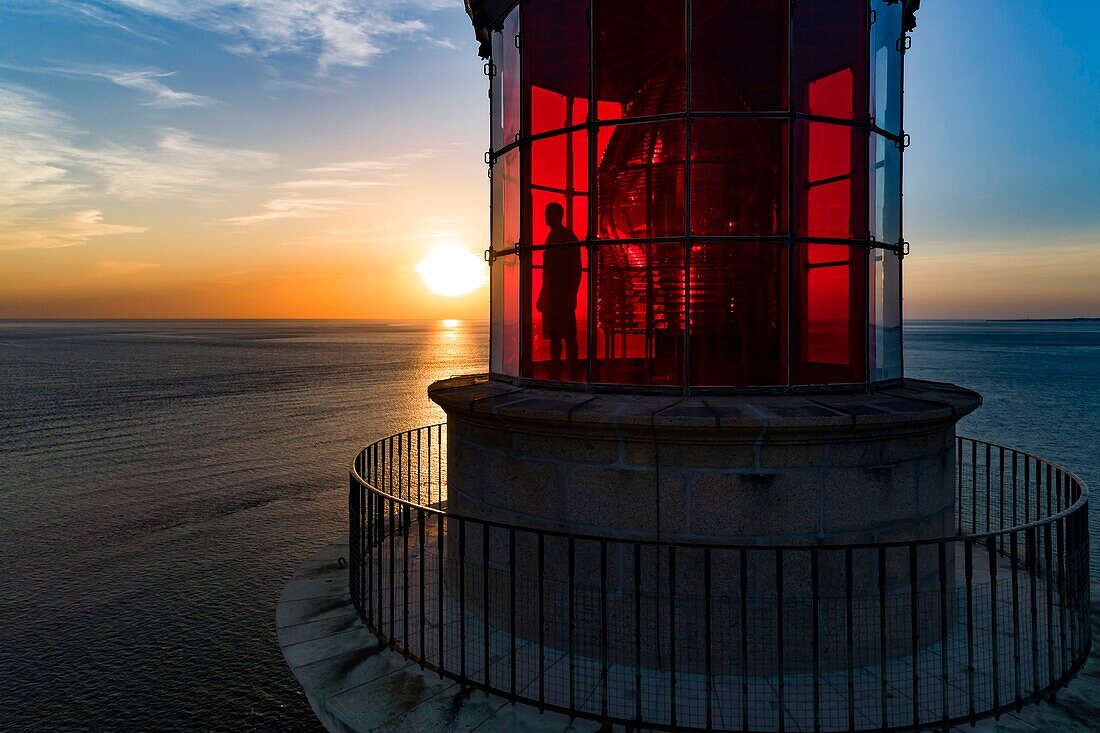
(53, 184)
(159, 93)
(299, 198)
(338, 33)
(115, 268)
(291, 207)
(65, 230)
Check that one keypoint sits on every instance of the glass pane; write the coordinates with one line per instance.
(739, 177)
(639, 313)
(506, 201)
(555, 56)
(559, 175)
(640, 56)
(509, 339)
(738, 314)
(830, 187)
(496, 316)
(739, 55)
(559, 311)
(830, 58)
(508, 73)
(886, 61)
(885, 327)
(504, 312)
(885, 221)
(640, 181)
(831, 296)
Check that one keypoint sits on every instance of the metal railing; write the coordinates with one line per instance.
(666, 635)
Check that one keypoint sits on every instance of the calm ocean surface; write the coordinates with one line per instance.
(160, 481)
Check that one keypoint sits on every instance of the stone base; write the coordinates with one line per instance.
(798, 471)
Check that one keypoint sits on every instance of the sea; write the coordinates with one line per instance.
(161, 480)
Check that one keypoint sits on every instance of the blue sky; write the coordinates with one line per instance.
(289, 157)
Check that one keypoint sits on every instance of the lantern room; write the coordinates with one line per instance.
(696, 193)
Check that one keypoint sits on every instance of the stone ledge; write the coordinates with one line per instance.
(911, 403)
(355, 684)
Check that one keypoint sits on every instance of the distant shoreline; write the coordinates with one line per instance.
(1042, 320)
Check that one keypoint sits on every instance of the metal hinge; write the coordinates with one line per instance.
(490, 69)
(904, 43)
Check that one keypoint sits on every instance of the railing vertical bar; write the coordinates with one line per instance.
(994, 625)
(512, 607)
(393, 521)
(945, 697)
(815, 632)
(960, 506)
(743, 579)
(462, 600)
(423, 598)
(486, 603)
(968, 550)
(1014, 560)
(604, 641)
(914, 630)
(707, 651)
(988, 483)
(850, 634)
(1033, 571)
(672, 634)
(1048, 552)
(440, 531)
(884, 651)
(638, 632)
(571, 589)
(405, 574)
(974, 486)
(542, 618)
(780, 652)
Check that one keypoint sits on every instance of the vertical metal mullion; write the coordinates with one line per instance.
(685, 359)
(792, 253)
(593, 181)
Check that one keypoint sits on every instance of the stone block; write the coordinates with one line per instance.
(624, 500)
(574, 446)
(752, 506)
(865, 499)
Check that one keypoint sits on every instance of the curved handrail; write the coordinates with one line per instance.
(1024, 586)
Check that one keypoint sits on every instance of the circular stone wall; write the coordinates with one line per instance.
(797, 470)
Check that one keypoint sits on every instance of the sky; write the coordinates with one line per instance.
(299, 158)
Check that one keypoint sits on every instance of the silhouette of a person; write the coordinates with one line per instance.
(557, 301)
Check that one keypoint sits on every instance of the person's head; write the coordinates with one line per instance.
(555, 213)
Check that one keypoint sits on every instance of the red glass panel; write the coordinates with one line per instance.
(738, 314)
(739, 55)
(832, 299)
(639, 314)
(508, 67)
(639, 60)
(640, 181)
(830, 58)
(555, 55)
(739, 177)
(559, 313)
(559, 174)
(831, 181)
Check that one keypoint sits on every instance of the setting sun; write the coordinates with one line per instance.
(450, 270)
